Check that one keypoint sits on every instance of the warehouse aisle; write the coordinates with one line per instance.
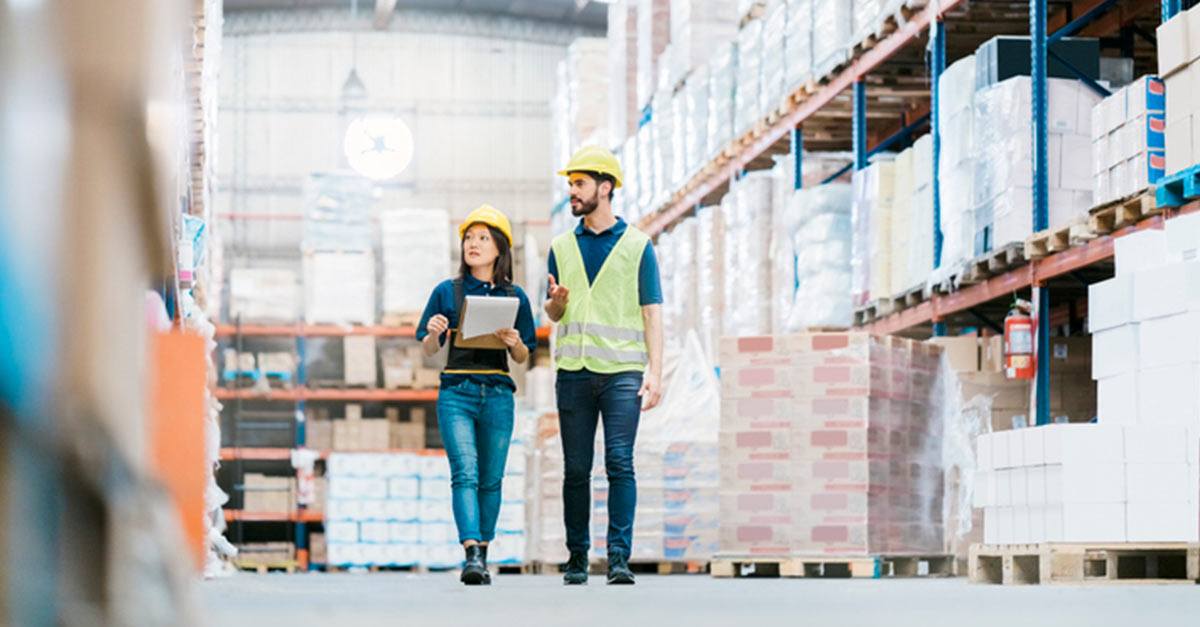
(378, 599)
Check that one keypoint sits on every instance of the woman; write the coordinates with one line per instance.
(475, 404)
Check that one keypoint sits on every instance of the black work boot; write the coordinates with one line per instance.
(487, 574)
(618, 570)
(474, 571)
(577, 569)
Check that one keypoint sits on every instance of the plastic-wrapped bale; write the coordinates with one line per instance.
(833, 22)
(846, 429)
(722, 83)
(748, 105)
(631, 166)
(902, 211)
(747, 220)
(587, 92)
(622, 63)
(654, 32)
(920, 226)
(774, 71)
(662, 124)
(684, 276)
(698, 26)
(339, 213)
(782, 253)
(797, 45)
(873, 201)
(417, 251)
(868, 17)
(560, 131)
(648, 185)
(665, 251)
(1003, 165)
(956, 115)
(263, 295)
(710, 293)
(679, 158)
(339, 288)
(822, 241)
(695, 131)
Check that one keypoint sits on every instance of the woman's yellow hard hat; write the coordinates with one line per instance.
(594, 159)
(489, 215)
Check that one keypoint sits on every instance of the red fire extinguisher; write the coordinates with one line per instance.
(1018, 341)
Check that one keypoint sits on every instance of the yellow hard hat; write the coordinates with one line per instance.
(489, 215)
(594, 159)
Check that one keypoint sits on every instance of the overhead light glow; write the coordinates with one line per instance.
(378, 147)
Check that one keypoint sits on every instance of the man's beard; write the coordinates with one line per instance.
(586, 206)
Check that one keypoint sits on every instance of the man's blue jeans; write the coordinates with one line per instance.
(582, 402)
(476, 422)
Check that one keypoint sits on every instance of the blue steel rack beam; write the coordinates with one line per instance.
(1170, 8)
(886, 144)
(859, 126)
(938, 42)
(1041, 200)
(797, 158)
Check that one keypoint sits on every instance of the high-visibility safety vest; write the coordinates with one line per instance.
(602, 329)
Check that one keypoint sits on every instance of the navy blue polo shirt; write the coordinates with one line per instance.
(594, 248)
(442, 302)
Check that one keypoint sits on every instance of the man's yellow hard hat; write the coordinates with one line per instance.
(489, 215)
(594, 159)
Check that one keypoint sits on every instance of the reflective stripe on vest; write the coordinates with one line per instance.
(602, 329)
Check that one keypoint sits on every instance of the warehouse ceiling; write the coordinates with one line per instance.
(584, 13)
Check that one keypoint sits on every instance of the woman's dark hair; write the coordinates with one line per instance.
(502, 269)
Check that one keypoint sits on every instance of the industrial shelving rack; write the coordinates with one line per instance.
(298, 396)
(888, 90)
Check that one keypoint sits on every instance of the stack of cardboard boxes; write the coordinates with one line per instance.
(1178, 51)
(1129, 140)
(356, 433)
(830, 443)
(264, 494)
(404, 368)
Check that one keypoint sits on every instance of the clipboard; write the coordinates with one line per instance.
(487, 342)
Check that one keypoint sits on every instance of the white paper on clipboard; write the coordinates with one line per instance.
(488, 314)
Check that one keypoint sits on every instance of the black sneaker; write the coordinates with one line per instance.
(618, 570)
(577, 569)
(474, 572)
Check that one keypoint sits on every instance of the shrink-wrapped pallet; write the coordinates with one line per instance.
(699, 26)
(622, 63)
(710, 259)
(833, 21)
(774, 60)
(747, 211)
(722, 83)
(798, 44)
(748, 103)
(417, 251)
(653, 35)
(821, 237)
(695, 131)
(956, 115)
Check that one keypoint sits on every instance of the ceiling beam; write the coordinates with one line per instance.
(383, 13)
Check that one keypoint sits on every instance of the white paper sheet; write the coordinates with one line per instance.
(487, 314)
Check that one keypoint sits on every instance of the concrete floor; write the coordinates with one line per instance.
(438, 599)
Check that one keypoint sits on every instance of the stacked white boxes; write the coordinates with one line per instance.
(919, 246)
(417, 250)
(1178, 53)
(710, 258)
(1129, 140)
(679, 158)
(653, 34)
(373, 512)
(509, 546)
(1003, 166)
(833, 24)
(662, 129)
(681, 309)
(1135, 475)
(956, 116)
(263, 295)
(695, 127)
(439, 536)
(722, 81)
(774, 59)
(902, 219)
(822, 243)
(798, 45)
(338, 245)
(339, 287)
(622, 63)
(699, 26)
(748, 103)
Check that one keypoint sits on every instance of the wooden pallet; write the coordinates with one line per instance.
(1072, 563)
(1117, 214)
(993, 263)
(1060, 238)
(262, 568)
(1179, 188)
(858, 567)
(874, 310)
(757, 10)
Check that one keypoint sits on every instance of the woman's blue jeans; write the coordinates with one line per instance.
(476, 422)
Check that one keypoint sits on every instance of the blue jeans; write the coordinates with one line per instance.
(476, 423)
(582, 402)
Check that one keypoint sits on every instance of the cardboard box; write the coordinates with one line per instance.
(1083, 444)
(1146, 94)
(1180, 151)
(359, 360)
(1115, 351)
(1161, 522)
(268, 494)
(1091, 482)
(963, 352)
(1139, 251)
(1168, 396)
(1166, 290)
(1085, 522)
(318, 434)
(397, 365)
(406, 436)
(992, 354)
(1116, 399)
(1183, 238)
(1174, 53)
(317, 551)
(1110, 303)
(426, 378)
(1172, 340)
(1158, 483)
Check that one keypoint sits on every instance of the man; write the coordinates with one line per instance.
(606, 296)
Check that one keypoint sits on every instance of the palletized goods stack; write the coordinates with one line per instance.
(1129, 140)
(956, 117)
(830, 444)
(338, 245)
(417, 250)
